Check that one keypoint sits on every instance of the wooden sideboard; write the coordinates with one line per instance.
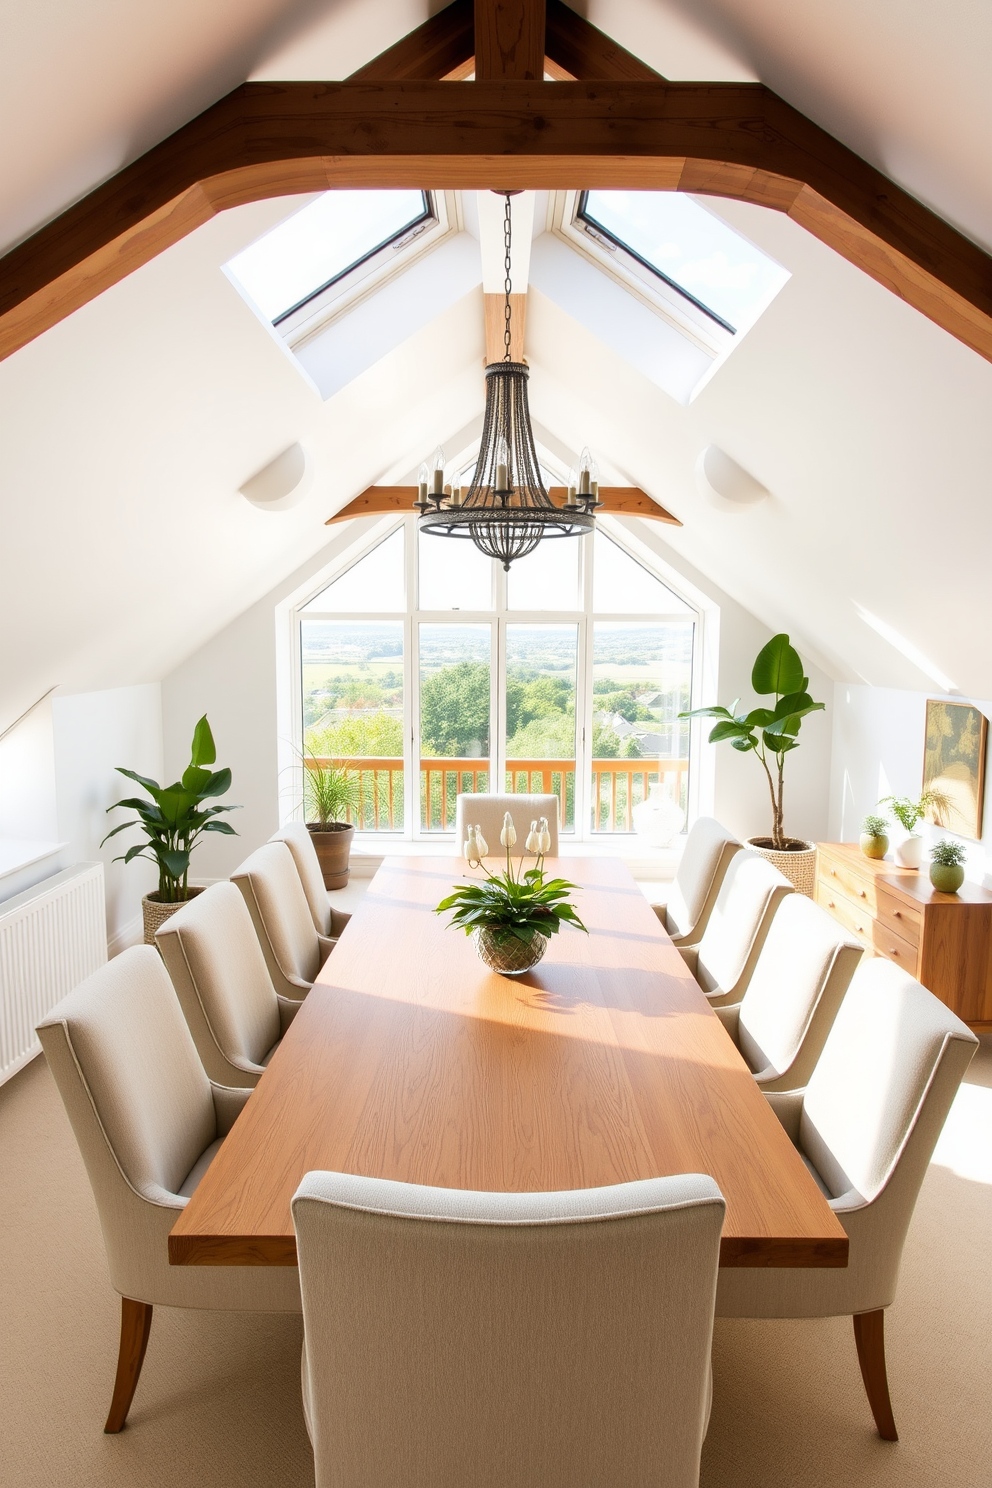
(945, 940)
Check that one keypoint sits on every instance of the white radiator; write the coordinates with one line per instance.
(51, 937)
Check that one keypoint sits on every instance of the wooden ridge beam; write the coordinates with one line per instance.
(624, 501)
(509, 39)
(723, 139)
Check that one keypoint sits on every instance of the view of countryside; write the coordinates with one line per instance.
(641, 676)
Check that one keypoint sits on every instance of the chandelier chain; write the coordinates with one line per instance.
(507, 281)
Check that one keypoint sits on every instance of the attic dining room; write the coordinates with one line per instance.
(495, 901)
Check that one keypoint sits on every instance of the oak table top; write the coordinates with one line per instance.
(410, 1060)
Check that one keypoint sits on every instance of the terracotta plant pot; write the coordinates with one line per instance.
(154, 913)
(333, 844)
(797, 860)
(947, 877)
(873, 847)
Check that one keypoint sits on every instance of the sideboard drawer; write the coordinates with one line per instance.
(852, 916)
(894, 948)
(849, 880)
(899, 919)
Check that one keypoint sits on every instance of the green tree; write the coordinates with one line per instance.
(605, 743)
(454, 709)
(376, 735)
(551, 737)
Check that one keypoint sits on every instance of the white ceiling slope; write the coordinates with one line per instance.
(126, 431)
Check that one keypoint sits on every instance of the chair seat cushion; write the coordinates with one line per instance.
(268, 1056)
(196, 1172)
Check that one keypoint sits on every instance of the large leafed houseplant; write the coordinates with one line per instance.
(173, 818)
(771, 733)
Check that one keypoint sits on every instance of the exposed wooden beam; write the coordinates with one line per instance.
(495, 326)
(725, 139)
(442, 47)
(625, 501)
(578, 50)
(509, 40)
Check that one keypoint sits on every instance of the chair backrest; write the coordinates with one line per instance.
(300, 843)
(212, 954)
(487, 811)
(706, 856)
(878, 1098)
(137, 1097)
(281, 915)
(798, 983)
(535, 1339)
(745, 906)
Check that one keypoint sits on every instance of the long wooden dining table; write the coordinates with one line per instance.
(411, 1060)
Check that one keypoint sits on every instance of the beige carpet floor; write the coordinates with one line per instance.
(218, 1403)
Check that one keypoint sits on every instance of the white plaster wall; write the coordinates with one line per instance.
(233, 680)
(878, 746)
(27, 778)
(93, 733)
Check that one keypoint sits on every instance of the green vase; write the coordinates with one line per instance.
(947, 877)
(874, 847)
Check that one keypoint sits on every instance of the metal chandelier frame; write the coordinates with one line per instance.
(506, 510)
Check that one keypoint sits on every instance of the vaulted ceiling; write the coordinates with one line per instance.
(128, 428)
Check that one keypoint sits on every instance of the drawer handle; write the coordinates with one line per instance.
(862, 893)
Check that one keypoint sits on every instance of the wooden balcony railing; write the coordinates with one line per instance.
(618, 785)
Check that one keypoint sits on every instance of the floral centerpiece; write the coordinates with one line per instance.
(512, 914)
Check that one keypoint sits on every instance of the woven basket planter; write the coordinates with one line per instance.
(154, 913)
(798, 865)
(507, 954)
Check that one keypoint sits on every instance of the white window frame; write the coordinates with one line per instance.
(367, 277)
(498, 617)
(662, 299)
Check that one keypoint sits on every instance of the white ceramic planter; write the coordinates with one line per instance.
(658, 820)
(909, 854)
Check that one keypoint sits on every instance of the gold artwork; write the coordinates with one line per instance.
(954, 763)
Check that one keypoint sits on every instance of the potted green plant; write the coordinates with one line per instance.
(331, 793)
(173, 820)
(770, 733)
(874, 840)
(909, 813)
(947, 865)
(512, 915)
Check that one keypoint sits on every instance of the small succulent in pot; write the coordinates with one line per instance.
(512, 914)
(947, 865)
(874, 841)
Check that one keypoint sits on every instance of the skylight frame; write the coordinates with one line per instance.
(441, 220)
(655, 293)
(594, 228)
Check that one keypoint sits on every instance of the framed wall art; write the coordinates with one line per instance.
(954, 762)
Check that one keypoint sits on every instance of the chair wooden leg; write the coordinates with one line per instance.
(136, 1324)
(869, 1335)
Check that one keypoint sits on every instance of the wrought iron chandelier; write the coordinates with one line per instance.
(506, 510)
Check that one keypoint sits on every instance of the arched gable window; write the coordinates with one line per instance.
(429, 671)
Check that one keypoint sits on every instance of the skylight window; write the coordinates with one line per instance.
(325, 241)
(687, 247)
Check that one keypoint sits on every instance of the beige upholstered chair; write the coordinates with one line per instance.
(749, 897)
(705, 859)
(488, 811)
(293, 948)
(791, 999)
(494, 1338)
(866, 1126)
(148, 1123)
(212, 954)
(327, 921)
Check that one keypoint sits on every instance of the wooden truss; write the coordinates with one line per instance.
(407, 120)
